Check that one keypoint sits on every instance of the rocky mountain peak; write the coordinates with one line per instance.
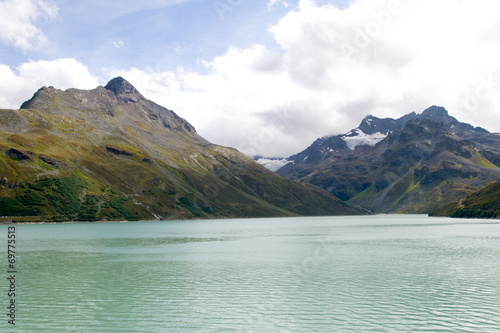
(118, 99)
(435, 111)
(371, 124)
(438, 114)
(122, 88)
(425, 161)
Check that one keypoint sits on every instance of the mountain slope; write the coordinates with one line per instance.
(372, 130)
(424, 161)
(484, 203)
(111, 154)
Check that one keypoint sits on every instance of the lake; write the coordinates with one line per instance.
(385, 273)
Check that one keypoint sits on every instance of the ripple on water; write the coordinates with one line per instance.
(319, 275)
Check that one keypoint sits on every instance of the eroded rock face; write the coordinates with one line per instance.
(49, 160)
(19, 155)
(10, 121)
(118, 151)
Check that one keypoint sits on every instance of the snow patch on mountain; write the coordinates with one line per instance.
(357, 138)
(272, 164)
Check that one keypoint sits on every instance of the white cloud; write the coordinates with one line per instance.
(20, 19)
(396, 56)
(244, 101)
(18, 86)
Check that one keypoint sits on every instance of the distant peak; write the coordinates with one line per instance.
(120, 86)
(435, 110)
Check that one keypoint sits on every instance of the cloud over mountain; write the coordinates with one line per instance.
(61, 73)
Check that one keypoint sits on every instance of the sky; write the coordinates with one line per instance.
(267, 77)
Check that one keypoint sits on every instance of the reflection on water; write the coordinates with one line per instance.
(345, 274)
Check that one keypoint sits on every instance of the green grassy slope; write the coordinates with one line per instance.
(484, 203)
(113, 155)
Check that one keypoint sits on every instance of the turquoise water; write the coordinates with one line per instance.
(327, 274)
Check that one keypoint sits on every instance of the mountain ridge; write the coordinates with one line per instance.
(373, 130)
(424, 160)
(109, 154)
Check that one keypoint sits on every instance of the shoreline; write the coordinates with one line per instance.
(65, 222)
(10, 222)
(191, 219)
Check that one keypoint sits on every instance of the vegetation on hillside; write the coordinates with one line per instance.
(110, 154)
(484, 203)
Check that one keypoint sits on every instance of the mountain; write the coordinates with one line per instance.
(484, 203)
(413, 164)
(372, 130)
(111, 154)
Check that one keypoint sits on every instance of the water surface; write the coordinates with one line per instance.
(326, 274)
